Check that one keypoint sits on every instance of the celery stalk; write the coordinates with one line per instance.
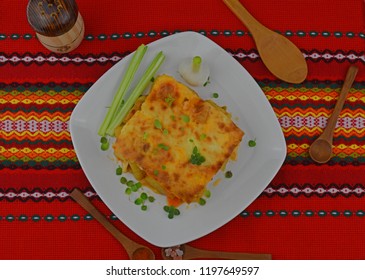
(137, 91)
(123, 87)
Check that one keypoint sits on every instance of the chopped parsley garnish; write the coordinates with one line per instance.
(163, 167)
(207, 82)
(145, 136)
(203, 136)
(196, 158)
(185, 118)
(169, 100)
(158, 124)
(163, 147)
(155, 172)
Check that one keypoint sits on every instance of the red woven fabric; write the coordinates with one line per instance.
(308, 211)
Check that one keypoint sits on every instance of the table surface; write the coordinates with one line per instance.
(308, 211)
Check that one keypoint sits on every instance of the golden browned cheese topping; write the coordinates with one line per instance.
(178, 139)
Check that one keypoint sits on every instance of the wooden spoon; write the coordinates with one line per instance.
(283, 59)
(189, 253)
(134, 250)
(321, 149)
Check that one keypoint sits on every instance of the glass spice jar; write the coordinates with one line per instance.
(58, 24)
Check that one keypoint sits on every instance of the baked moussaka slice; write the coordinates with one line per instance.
(176, 142)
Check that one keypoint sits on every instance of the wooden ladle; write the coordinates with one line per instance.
(283, 59)
(189, 253)
(321, 149)
(134, 250)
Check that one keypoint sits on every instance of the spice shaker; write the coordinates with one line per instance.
(58, 24)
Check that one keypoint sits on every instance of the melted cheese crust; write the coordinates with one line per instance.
(161, 136)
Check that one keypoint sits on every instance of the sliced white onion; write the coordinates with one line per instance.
(192, 76)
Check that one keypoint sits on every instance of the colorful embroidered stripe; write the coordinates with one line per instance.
(103, 58)
(34, 125)
(245, 214)
(305, 213)
(213, 32)
(302, 111)
(282, 190)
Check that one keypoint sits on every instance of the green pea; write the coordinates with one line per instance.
(202, 201)
(252, 143)
(138, 201)
(128, 191)
(151, 199)
(134, 188)
(119, 171)
(228, 174)
(144, 196)
(172, 209)
(123, 180)
(144, 207)
(104, 146)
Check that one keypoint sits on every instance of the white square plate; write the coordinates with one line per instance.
(254, 168)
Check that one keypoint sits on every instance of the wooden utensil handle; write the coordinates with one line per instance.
(243, 15)
(232, 255)
(85, 203)
(350, 77)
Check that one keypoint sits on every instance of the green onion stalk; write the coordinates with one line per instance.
(137, 91)
(123, 87)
